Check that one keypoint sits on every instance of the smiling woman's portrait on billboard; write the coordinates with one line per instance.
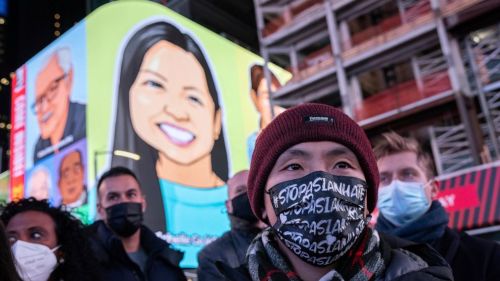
(168, 112)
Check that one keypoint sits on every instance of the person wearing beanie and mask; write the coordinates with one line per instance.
(408, 209)
(126, 249)
(231, 247)
(313, 179)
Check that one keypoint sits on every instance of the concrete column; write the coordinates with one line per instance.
(345, 35)
(417, 74)
(356, 93)
(401, 9)
(264, 52)
(294, 60)
(337, 53)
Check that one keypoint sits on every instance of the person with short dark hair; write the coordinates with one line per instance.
(231, 247)
(48, 243)
(126, 249)
(314, 179)
(409, 209)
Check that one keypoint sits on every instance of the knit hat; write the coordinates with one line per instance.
(309, 123)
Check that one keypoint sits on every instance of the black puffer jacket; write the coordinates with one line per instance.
(470, 258)
(229, 249)
(401, 266)
(399, 258)
(162, 262)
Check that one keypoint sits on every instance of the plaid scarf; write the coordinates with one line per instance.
(362, 263)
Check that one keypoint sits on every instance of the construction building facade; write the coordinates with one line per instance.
(425, 68)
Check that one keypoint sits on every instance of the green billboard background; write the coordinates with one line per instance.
(187, 225)
(4, 186)
(189, 107)
(183, 161)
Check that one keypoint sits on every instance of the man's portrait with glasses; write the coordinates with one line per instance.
(61, 121)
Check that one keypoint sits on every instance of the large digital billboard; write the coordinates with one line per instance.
(138, 85)
(4, 186)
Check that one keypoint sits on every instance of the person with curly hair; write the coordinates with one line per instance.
(7, 267)
(48, 243)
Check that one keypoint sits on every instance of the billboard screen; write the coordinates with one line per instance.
(137, 85)
(471, 197)
(4, 186)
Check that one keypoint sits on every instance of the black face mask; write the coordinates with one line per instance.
(242, 209)
(124, 218)
(319, 216)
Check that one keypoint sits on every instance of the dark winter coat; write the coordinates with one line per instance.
(470, 258)
(401, 268)
(162, 262)
(399, 265)
(229, 249)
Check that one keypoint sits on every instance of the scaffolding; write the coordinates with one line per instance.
(334, 49)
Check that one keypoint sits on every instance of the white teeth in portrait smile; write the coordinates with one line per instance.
(46, 116)
(177, 135)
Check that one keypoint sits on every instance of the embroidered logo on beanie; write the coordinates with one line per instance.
(318, 119)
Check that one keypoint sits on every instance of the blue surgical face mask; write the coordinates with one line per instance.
(403, 202)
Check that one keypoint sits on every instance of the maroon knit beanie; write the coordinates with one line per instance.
(308, 123)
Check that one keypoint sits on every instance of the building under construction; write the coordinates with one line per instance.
(429, 68)
(425, 68)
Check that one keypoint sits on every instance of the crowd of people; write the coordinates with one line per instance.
(301, 212)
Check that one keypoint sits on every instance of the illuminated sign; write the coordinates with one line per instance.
(137, 85)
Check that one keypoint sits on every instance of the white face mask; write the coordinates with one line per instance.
(34, 262)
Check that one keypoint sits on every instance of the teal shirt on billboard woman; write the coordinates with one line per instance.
(184, 207)
(169, 113)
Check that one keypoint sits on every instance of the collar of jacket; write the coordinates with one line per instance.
(435, 262)
(152, 245)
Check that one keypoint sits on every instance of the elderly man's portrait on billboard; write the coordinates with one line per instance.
(39, 183)
(60, 120)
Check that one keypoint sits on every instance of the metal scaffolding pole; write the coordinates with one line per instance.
(462, 108)
(482, 100)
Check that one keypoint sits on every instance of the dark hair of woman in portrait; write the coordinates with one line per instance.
(125, 137)
(75, 260)
(7, 267)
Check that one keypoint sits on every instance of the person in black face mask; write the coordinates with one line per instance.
(313, 179)
(230, 249)
(126, 249)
